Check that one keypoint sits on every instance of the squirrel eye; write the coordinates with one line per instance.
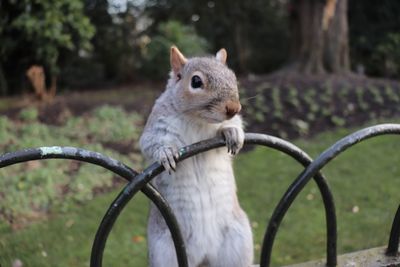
(196, 82)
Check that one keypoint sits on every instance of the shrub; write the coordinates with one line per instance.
(37, 187)
(156, 52)
(29, 114)
(388, 55)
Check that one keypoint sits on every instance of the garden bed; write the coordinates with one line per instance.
(298, 105)
(111, 121)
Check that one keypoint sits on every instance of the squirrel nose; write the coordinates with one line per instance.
(232, 108)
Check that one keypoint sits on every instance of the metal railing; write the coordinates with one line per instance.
(140, 181)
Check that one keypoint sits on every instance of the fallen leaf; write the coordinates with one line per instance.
(138, 239)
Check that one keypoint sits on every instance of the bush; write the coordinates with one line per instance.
(388, 55)
(37, 187)
(29, 114)
(156, 52)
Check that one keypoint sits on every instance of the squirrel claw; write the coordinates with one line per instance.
(166, 156)
(234, 138)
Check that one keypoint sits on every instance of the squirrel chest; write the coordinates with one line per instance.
(202, 184)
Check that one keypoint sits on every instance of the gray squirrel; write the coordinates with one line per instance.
(201, 101)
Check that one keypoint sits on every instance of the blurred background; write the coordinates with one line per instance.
(86, 74)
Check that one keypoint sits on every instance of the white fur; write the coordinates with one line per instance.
(202, 189)
(202, 193)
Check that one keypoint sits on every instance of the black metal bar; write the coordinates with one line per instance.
(57, 152)
(107, 163)
(393, 245)
(131, 189)
(327, 197)
(171, 222)
(153, 170)
(296, 187)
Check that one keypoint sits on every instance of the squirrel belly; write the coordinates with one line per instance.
(202, 190)
(202, 195)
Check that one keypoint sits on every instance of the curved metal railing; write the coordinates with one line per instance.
(324, 158)
(153, 170)
(140, 181)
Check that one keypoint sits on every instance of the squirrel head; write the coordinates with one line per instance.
(204, 86)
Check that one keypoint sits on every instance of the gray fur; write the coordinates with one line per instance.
(201, 190)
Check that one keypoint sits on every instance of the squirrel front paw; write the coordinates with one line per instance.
(166, 156)
(234, 138)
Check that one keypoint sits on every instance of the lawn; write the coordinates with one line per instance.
(363, 180)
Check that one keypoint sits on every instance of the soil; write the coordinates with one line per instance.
(136, 97)
(140, 98)
(336, 96)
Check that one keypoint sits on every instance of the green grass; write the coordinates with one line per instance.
(31, 189)
(66, 239)
(365, 176)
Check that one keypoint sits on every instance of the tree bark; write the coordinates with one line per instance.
(312, 42)
(336, 54)
(319, 33)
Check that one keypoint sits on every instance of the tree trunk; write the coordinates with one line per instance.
(307, 36)
(311, 50)
(336, 54)
(319, 33)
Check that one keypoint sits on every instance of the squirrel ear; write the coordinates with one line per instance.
(221, 55)
(177, 60)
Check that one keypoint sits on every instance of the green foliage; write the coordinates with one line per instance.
(388, 53)
(376, 95)
(156, 53)
(249, 30)
(293, 98)
(107, 123)
(301, 126)
(391, 94)
(361, 102)
(53, 25)
(337, 121)
(256, 105)
(276, 101)
(5, 129)
(374, 36)
(38, 31)
(38, 187)
(29, 114)
(116, 45)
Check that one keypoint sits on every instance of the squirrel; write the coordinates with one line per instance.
(201, 101)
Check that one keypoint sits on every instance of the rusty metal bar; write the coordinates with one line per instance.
(300, 182)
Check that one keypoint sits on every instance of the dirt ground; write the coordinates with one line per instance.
(317, 103)
(336, 99)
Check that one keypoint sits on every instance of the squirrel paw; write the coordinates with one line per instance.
(167, 156)
(234, 138)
